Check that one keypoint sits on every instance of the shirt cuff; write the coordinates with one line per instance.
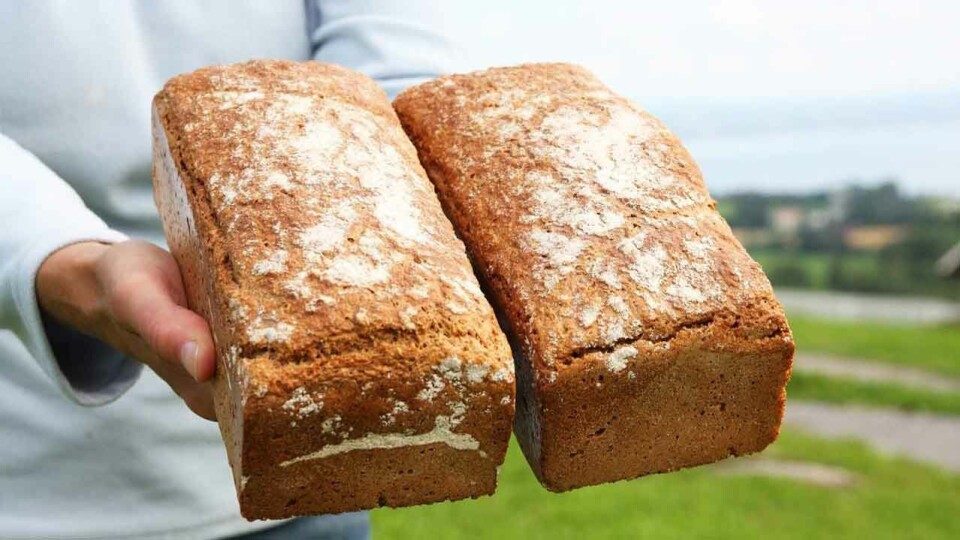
(87, 370)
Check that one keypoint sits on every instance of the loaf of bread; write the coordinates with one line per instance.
(646, 338)
(358, 363)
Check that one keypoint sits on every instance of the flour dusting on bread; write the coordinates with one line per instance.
(345, 199)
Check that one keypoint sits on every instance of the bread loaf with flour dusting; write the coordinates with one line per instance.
(647, 339)
(358, 362)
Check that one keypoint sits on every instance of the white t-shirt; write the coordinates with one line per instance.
(92, 445)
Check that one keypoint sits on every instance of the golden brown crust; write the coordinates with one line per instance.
(593, 229)
(349, 325)
(321, 207)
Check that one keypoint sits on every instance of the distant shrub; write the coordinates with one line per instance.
(789, 274)
(867, 279)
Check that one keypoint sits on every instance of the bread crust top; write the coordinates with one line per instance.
(325, 222)
(605, 232)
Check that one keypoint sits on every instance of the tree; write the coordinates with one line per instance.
(879, 205)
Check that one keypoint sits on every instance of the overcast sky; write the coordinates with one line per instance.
(734, 70)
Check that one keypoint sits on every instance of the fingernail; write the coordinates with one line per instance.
(188, 357)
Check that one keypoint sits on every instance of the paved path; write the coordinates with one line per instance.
(869, 307)
(802, 471)
(923, 437)
(870, 371)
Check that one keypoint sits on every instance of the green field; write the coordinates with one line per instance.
(892, 499)
(815, 387)
(856, 271)
(934, 348)
(816, 266)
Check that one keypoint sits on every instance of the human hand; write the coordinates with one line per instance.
(131, 296)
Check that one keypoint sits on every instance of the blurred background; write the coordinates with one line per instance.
(829, 133)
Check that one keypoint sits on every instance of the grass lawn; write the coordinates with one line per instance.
(815, 387)
(893, 499)
(935, 348)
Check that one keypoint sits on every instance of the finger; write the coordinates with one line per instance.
(200, 401)
(144, 304)
(197, 396)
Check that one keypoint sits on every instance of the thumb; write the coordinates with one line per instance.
(176, 334)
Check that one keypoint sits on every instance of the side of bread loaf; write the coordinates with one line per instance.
(647, 338)
(358, 363)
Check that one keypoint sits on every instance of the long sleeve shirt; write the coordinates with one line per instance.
(92, 444)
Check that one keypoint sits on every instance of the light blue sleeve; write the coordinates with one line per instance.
(40, 213)
(399, 42)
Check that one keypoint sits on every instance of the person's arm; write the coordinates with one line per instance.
(399, 43)
(85, 301)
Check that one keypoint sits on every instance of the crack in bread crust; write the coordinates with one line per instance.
(610, 347)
